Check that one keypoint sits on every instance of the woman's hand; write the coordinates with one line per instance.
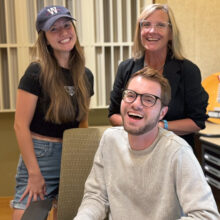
(161, 124)
(182, 126)
(36, 188)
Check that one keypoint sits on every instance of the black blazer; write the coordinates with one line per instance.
(188, 97)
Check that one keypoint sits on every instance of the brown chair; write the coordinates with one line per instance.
(79, 147)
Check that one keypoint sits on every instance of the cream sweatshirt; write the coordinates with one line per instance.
(162, 182)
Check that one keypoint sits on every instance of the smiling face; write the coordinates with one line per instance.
(61, 36)
(138, 119)
(155, 39)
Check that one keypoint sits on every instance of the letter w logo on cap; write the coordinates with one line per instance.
(52, 10)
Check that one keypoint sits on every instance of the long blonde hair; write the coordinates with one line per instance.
(174, 45)
(63, 107)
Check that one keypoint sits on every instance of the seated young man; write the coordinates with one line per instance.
(142, 171)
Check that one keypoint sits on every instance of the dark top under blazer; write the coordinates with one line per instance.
(189, 99)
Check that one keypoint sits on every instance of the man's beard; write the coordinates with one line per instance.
(141, 130)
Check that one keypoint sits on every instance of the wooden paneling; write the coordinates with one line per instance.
(111, 25)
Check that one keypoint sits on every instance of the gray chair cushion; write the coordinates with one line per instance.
(38, 210)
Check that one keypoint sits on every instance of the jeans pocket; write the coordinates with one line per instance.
(42, 149)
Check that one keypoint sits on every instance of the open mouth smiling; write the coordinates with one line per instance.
(135, 115)
(152, 39)
(65, 40)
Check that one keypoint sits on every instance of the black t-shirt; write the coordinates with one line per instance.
(30, 82)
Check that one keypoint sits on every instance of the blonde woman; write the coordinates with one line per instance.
(53, 95)
(157, 45)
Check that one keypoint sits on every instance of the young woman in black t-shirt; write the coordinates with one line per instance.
(53, 95)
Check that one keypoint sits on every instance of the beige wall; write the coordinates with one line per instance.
(198, 22)
(8, 154)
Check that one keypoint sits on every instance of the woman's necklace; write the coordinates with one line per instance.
(158, 69)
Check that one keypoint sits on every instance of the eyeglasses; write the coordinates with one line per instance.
(160, 26)
(147, 100)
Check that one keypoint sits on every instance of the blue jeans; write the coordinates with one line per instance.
(48, 155)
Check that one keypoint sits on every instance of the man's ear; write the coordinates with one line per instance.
(163, 112)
